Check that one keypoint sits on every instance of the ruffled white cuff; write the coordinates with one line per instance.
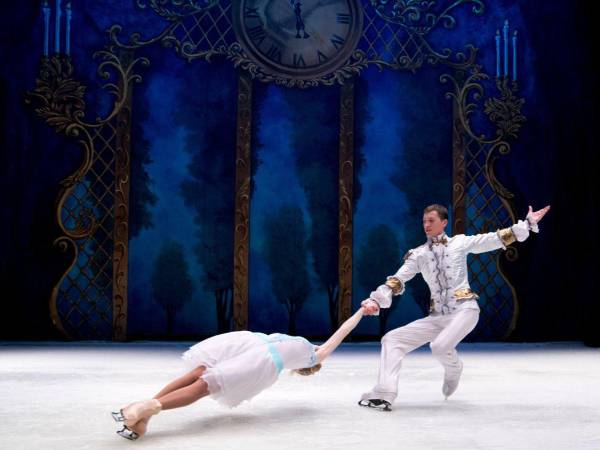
(521, 230)
(383, 296)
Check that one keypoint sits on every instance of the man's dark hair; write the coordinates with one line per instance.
(441, 210)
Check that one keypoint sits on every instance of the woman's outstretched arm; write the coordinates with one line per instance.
(336, 339)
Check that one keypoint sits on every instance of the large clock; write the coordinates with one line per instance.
(299, 39)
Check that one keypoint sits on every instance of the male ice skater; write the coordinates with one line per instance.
(442, 261)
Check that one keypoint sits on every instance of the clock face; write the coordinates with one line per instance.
(298, 38)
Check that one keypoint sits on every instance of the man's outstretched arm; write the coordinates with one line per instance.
(394, 285)
(486, 242)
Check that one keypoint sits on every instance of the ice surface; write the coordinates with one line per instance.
(511, 396)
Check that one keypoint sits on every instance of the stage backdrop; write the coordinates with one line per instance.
(182, 191)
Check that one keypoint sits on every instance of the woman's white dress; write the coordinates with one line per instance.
(241, 364)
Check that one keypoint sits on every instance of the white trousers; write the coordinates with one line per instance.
(443, 331)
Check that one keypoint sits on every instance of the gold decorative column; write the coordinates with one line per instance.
(459, 213)
(121, 208)
(346, 195)
(241, 247)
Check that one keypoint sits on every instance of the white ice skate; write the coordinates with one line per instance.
(132, 413)
(450, 384)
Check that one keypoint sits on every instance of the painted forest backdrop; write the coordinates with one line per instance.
(183, 169)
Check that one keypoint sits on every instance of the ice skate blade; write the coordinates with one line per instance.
(118, 416)
(378, 404)
(128, 434)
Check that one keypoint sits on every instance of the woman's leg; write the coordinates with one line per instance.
(183, 381)
(185, 395)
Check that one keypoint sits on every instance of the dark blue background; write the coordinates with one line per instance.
(185, 113)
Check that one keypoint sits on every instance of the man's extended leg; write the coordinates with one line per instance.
(394, 346)
(444, 345)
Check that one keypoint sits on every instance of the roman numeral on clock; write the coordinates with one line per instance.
(342, 18)
(250, 13)
(257, 34)
(299, 60)
(321, 56)
(337, 41)
(274, 53)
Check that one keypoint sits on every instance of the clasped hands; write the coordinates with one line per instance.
(370, 306)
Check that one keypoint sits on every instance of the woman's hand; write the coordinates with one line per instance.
(370, 307)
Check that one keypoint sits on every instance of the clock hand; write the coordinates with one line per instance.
(312, 8)
(277, 18)
(319, 4)
(299, 22)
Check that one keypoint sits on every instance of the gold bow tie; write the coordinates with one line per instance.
(442, 241)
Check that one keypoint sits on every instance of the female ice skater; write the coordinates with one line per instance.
(231, 368)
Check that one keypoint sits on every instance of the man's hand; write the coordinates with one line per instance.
(371, 307)
(534, 217)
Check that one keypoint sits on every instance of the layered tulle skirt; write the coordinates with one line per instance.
(238, 366)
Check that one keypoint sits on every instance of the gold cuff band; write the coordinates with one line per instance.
(507, 236)
(463, 294)
(395, 285)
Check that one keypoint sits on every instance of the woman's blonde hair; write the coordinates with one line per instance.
(308, 370)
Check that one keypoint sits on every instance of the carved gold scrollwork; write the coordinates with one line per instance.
(504, 113)
(419, 16)
(59, 100)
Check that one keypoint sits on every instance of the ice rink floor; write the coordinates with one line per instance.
(511, 396)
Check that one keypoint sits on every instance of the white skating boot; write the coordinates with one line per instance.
(451, 382)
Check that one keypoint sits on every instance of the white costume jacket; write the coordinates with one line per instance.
(442, 261)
